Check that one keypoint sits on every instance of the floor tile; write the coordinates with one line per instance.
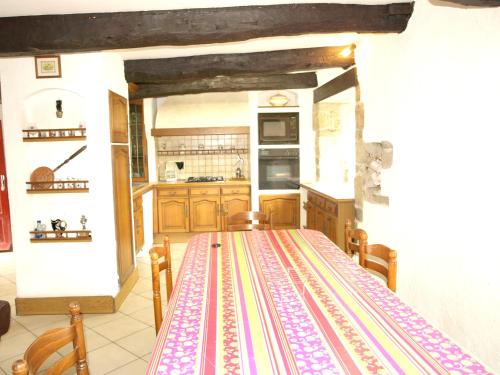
(13, 346)
(14, 330)
(93, 341)
(133, 303)
(142, 285)
(95, 320)
(32, 322)
(139, 343)
(145, 315)
(64, 322)
(133, 368)
(119, 328)
(147, 357)
(147, 295)
(108, 358)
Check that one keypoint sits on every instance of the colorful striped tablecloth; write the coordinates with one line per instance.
(292, 302)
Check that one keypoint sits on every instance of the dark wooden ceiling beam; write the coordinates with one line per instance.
(209, 66)
(336, 85)
(227, 84)
(31, 35)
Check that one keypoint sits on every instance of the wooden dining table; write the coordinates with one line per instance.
(292, 302)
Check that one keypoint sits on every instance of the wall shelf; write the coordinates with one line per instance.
(52, 135)
(58, 186)
(62, 236)
(204, 152)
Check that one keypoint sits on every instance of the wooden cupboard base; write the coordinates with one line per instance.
(88, 304)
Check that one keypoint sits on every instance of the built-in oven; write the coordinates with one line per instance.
(278, 128)
(279, 168)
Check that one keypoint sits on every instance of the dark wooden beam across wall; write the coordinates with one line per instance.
(31, 35)
(208, 66)
(338, 84)
(227, 84)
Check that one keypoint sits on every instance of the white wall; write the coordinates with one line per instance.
(433, 92)
(62, 269)
(203, 110)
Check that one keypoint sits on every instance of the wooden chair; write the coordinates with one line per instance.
(355, 240)
(51, 341)
(245, 221)
(156, 267)
(382, 260)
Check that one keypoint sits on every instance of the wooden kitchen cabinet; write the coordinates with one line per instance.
(205, 213)
(191, 207)
(328, 215)
(285, 209)
(138, 224)
(173, 214)
(232, 204)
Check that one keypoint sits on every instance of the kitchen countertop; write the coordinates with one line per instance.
(193, 184)
(329, 190)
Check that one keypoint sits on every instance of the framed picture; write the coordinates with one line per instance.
(48, 66)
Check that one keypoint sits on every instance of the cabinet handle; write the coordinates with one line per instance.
(2, 182)
(235, 191)
(185, 210)
(217, 209)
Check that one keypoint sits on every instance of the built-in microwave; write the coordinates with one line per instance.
(278, 128)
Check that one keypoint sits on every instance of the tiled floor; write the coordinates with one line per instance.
(119, 343)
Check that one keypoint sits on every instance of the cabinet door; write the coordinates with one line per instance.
(232, 204)
(173, 215)
(320, 221)
(205, 214)
(331, 227)
(311, 213)
(123, 211)
(118, 118)
(285, 209)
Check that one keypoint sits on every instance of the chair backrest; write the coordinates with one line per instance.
(245, 221)
(156, 267)
(355, 240)
(383, 260)
(51, 341)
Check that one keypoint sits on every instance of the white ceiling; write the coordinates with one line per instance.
(10, 8)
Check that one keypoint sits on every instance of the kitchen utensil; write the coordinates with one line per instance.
(170, 171)
(42, 174)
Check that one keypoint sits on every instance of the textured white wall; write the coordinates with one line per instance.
(203, 110)
(63, 269)
(433, 92)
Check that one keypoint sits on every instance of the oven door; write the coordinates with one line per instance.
(279, 169)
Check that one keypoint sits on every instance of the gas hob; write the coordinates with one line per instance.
(205, 179)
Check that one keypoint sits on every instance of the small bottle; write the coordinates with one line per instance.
(39, 228)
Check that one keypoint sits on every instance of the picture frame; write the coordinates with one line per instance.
(48, 66)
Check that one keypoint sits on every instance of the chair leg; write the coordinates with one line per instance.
(155, 272)
(79, 343)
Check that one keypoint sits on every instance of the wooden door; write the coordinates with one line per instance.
(173, 215)
(204, 214)
(138, 224)
(232, 204)
(118, 118)
(285, 209)
(5, 230)
(123, 211)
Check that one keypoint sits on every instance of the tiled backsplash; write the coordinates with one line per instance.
(204, 155)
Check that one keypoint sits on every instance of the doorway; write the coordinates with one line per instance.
(5, 228)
